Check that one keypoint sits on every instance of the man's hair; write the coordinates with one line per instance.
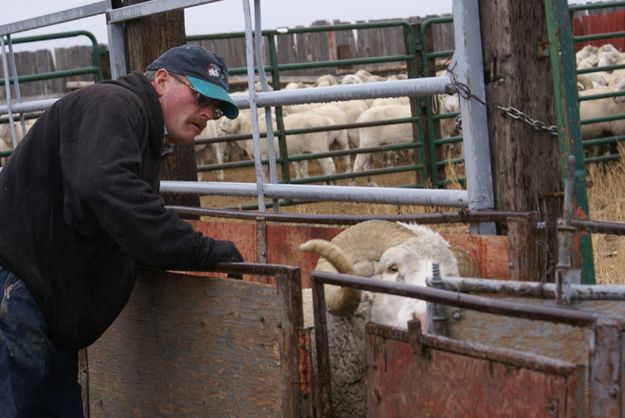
(150, 74)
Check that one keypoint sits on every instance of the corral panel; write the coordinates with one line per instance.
(443, 383)
(189, 346)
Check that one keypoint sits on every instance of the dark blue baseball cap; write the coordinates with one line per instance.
(204, 69)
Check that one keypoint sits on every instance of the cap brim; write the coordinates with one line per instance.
(230, 109)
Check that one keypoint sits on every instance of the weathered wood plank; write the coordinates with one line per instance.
(190, 346)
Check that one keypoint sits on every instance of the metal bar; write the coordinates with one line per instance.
(468, 59)
(436, 312)
(541, 290)
(601, 227)
(477, 303)
(7, 89)
(473, 349)
(426, 219)
(25, 107)
(68, 15)
(117, 49)
(259, 191)
(562, 57)
(452, 198)
(148, 8)
(18, 92)
(565, 238)
(260, 65)
(394, 88)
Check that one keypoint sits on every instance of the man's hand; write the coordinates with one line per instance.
(225, 251)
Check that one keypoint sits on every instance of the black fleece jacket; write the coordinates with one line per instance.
(79, 206)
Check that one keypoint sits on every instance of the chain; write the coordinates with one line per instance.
(465, 92)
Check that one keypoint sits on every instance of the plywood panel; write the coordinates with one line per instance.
(190, 347)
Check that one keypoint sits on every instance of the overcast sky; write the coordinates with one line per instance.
(227, 15)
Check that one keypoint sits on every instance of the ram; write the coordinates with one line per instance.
(399, 253)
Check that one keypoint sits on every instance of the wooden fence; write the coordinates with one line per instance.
(600, 22)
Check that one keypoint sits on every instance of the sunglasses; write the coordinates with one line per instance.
(202, 101)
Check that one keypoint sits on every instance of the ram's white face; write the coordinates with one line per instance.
(401, 266)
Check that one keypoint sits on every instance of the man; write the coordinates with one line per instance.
(79, 207)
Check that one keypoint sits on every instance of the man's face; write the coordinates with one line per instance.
(184, 117)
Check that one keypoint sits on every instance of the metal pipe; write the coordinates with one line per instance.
(564, 275)
(477, 303)
(260, 63)
(540, 290)
(392, 88)
(436, 197)
(468, 60)
(68, 15)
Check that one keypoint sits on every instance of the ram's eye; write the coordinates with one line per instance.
(392, 268)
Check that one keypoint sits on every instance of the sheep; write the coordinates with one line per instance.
(325, 80)
(376, 136)
(214, 149)
(6, 143)
(308, 143)
(400, 253)
(383, 101)
(608, 55)
(606, 107)
(297, 85)
(337, 138)
(351, 79)
(353, 109)
(585, 52)
(591, 80)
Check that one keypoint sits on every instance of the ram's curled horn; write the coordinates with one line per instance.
(339, 300)
(331, 252)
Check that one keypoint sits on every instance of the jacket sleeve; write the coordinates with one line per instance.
(105, 144)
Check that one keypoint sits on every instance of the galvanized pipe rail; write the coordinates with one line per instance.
(578, 292)
(518, 310)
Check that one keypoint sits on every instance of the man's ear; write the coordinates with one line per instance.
(161, 81)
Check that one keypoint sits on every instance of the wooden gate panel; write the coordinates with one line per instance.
(188, 346)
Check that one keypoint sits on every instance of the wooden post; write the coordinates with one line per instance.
(147, 38)
(525, 161)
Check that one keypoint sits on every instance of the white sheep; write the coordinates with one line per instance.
(353, 109)
(6, 143)
(376, 136)
(351, 79)
(599, 108)
(212, 151)
(585, 52)
(308, 143)
(337, 138)
(608, 55)
(383, 101)
(399, 253)
(325, 81)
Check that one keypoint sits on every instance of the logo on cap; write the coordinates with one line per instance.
(214, 71)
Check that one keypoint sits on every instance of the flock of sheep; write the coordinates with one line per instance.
(326, 114)
(596, 80)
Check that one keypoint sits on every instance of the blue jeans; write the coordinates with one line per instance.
(36, 379)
